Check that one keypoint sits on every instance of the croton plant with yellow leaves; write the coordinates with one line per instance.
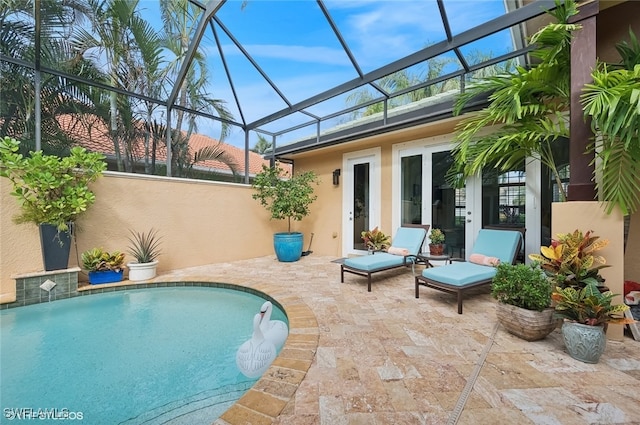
(375, 239)
(571, 260)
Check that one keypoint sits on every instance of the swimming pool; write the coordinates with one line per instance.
(137, 356)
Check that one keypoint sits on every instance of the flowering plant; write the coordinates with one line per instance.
(375, 239)
(570, 259)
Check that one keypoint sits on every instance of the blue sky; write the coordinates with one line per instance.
(294, 44)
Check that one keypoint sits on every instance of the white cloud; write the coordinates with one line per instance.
(307, 54)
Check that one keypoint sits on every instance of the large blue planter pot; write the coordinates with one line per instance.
(288, 246)
(105, 276)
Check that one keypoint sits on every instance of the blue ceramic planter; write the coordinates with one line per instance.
(288, 246)
(585, 343)
(105, 276)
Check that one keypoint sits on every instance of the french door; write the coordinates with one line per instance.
(361, 198)
(423, 195)
(426, 197)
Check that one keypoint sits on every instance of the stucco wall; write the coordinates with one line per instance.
(201, 223)
(585, 216)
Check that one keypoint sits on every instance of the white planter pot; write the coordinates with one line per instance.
(142, 271)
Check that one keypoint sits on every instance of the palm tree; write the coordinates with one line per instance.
(262, 146)
(131, 51)
(399, 81)
(58, 96)
(179, 18)
(612, 102)
(528, 105)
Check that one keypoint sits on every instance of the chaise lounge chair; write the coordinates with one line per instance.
(409, 238)
(459, 277)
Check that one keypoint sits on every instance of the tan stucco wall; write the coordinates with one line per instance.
(200, 222)
(585, 216)
(326, 219)
(613, 27)
(632, 251)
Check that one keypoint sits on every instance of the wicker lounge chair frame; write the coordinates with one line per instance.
(460, 290)
(406, 260)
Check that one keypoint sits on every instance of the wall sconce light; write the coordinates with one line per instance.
(336, 177)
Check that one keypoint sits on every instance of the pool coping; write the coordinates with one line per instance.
(269, 396)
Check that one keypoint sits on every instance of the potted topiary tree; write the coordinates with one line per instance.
(52, 192)
(524, 300)
(285, 197)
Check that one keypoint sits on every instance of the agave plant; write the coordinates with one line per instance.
(588, 306)
(145, 246)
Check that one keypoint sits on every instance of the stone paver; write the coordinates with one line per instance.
(385, 357)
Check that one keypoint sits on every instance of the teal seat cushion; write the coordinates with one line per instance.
(459, 274)
(377, 261)
(410, 238)
(502, 244)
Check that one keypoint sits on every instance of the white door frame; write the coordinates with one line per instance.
(473, 213)
(372, 156)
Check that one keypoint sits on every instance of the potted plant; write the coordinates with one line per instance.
(586, 312)
(145, 249)
(571, 259)
(436, 244)
(285, 197)
(524, 307)
(376, 240)
(52, 193)
(103, 266)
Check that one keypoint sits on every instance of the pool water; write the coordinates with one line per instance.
(147, 356)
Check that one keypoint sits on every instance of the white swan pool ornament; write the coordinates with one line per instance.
(275, 331)
(256, 354)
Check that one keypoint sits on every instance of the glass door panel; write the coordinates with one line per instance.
(448, 204)
(503, 201)
(361, 203)
(411, 189)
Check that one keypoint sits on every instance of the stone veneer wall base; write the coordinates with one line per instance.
(28, 290)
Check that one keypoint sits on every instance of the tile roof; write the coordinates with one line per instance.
(91, 133)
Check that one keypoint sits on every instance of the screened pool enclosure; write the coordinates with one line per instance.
(137, 80)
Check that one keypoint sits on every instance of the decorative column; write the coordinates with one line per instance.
(583, 60)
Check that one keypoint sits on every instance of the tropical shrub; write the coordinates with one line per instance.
(522, 285)
(375, 239)
(570, 260)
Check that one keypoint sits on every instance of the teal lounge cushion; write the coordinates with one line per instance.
(459, 274)
(410, 238)
(501, 244)
(377, 261)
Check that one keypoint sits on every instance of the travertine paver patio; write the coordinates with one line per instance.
(385, 357)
